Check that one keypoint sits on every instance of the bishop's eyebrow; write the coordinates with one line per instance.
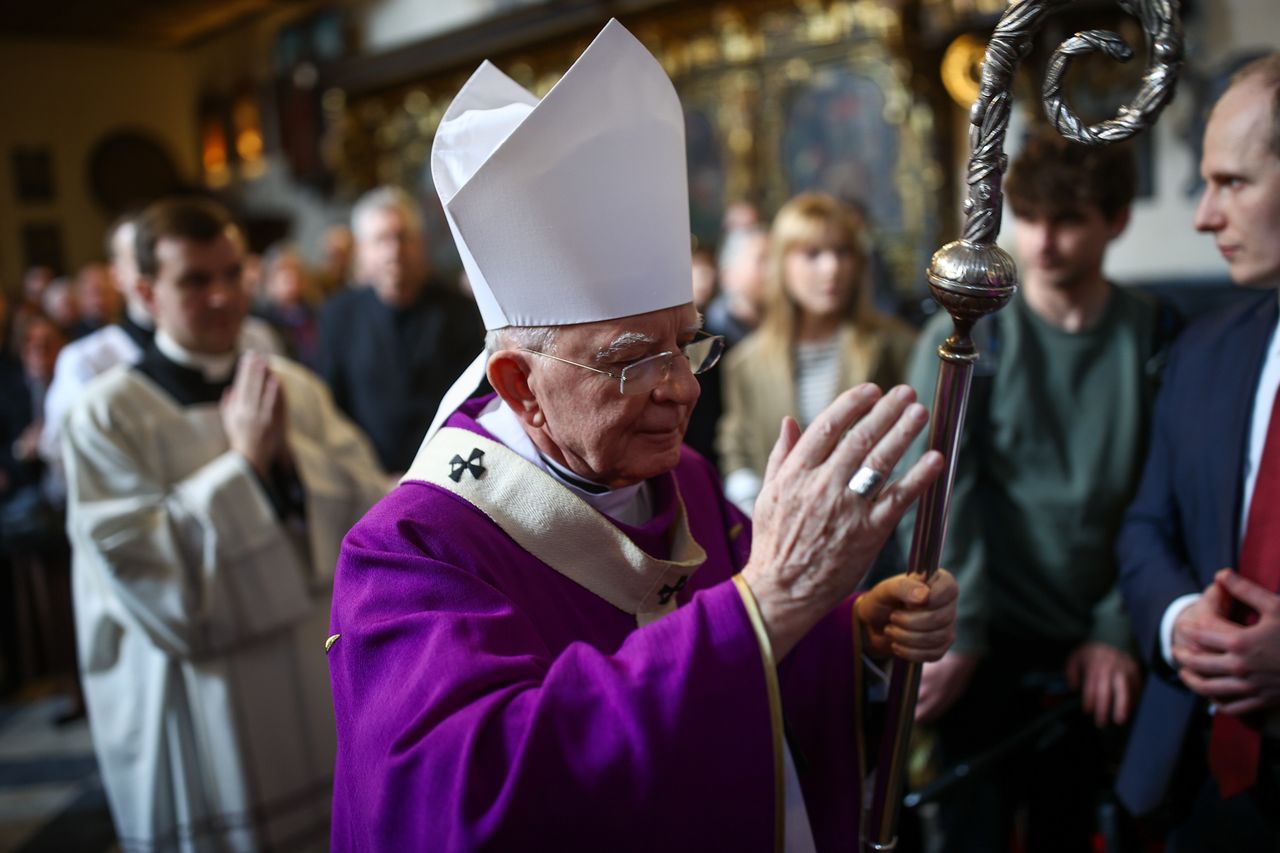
(622, 342)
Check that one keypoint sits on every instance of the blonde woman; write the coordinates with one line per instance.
(819, 336)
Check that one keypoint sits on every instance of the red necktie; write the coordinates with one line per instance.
(1234, 746)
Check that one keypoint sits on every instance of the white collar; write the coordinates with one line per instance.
(630, 504)
(139, 315)
(214, 368)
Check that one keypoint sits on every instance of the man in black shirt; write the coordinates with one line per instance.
(391, 347)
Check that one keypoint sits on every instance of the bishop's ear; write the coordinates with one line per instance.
(508, 373)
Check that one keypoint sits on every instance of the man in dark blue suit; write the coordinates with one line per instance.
(1200, 548)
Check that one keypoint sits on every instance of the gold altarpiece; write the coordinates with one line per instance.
(780, 97)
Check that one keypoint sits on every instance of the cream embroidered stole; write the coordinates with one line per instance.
(558, 527)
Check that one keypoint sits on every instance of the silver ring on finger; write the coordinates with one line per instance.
(867, 483)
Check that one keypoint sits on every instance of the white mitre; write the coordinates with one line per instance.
(571, 209)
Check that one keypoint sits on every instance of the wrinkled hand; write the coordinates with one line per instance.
(1236, 667)
(253, 413)
(1107, 679)
(942, 683)
(907, 617)
(814, 539)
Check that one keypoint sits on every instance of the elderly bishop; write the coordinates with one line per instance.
(557, 632)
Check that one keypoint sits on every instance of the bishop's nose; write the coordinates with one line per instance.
(680, 385)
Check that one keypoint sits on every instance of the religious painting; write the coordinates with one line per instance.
(706, 175)
(847, 125)
(836, 140)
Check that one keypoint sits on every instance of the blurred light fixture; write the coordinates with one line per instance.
(246, 119)
(214, 154)
(962, 68)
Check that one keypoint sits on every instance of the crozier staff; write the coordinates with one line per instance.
(557, 630)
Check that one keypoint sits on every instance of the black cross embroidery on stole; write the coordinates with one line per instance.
(459, 466)
(664, 594)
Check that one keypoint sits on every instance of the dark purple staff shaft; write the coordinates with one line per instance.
(950, 402)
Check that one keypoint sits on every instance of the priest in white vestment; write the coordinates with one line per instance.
(208, 495)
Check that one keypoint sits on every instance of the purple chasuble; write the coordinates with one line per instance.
(485, 701)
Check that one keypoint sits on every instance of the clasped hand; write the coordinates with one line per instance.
(253, 414)
(1237, 667)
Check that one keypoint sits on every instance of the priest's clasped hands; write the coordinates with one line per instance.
(253, 414)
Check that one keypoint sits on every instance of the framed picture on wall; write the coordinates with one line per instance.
(32, 174)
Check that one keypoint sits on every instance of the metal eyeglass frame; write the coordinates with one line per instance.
(715, 342)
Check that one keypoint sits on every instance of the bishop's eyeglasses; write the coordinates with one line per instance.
(641, 377)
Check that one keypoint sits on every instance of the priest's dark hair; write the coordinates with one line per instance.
(1053, 176)
(201, 220)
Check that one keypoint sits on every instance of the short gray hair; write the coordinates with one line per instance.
(386, 198)
(536, 338)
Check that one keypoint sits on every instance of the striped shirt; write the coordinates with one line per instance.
(817, 377)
